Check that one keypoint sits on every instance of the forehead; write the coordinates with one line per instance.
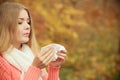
(23, 14)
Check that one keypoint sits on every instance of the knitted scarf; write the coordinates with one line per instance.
(21, 59)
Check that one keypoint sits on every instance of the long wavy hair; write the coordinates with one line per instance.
(9, 12)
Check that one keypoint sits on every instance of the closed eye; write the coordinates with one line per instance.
(20, 22)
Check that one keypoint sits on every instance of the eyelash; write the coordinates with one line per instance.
(19, 22)
(22, 22)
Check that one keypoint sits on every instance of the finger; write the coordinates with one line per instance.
(41, 63)
(38, 63)
(46, 54)
(42, 66)
(63, 51)
(44, 50)
(49, 58)
(62, 56)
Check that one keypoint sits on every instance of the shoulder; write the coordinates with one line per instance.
(4, 69)
(4, 65)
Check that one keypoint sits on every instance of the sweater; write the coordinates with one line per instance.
(10, 72)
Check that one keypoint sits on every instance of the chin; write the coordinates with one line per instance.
(25, 40)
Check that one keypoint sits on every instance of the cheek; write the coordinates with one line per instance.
(19, 31)
(18, 37)
(19, 34)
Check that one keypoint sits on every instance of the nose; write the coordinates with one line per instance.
(27, 26)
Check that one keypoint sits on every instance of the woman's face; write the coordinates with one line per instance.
(23, 30)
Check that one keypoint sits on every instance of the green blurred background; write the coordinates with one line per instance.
(89, 29)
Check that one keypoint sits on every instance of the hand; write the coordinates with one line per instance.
(60, 60)
(38, 63)
(46, 54)
(44, 57)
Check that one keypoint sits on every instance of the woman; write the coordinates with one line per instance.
(20, 57)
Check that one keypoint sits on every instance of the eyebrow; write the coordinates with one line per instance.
(24, 19)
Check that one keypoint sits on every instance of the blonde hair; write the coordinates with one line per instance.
(9, 12)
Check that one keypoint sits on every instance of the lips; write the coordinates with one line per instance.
(27, 34)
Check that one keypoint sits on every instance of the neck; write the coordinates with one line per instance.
(18, 46)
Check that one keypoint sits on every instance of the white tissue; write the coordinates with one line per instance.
(57, 47)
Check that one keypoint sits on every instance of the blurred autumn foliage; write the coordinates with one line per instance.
(89, 29)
